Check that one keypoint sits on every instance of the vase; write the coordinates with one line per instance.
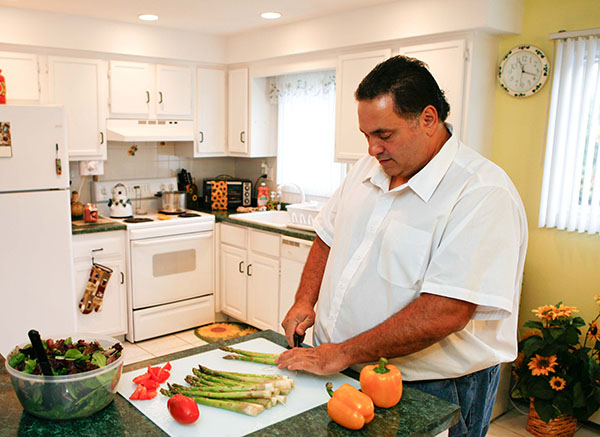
(562, 426)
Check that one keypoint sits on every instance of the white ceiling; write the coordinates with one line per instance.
(216, 17)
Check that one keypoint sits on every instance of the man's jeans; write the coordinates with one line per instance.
(475, 393)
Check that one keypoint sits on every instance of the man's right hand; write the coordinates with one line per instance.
(298, 319)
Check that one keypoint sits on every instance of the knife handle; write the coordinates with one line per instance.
(298, 340)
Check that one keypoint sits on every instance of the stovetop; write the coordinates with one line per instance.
(157, 218)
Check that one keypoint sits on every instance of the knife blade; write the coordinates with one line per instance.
(297, 340)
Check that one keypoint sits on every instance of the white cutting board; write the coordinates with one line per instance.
(309, 391)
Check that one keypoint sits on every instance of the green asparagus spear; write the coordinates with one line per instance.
(249, 353)
(261, 360)
(251, 409)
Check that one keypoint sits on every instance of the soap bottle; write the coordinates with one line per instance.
(262, 193)
(273, 204)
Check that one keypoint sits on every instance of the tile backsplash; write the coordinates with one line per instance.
(156, 160)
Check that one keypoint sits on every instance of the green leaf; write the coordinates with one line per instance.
(544, 409)
(539, 388)
(578, 396)
(73, 354)
(16, 359)
(556, 332)
(68, 341)
(30, 366)
(532, 345)
(98, 359)
(578, 321)
(533, 324)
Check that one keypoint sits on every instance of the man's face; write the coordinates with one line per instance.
(400, 145)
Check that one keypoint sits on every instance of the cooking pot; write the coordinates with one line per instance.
(119, 206)
(172, 201)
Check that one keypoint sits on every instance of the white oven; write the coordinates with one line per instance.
(170, 274)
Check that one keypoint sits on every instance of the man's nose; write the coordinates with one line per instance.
(375, 147)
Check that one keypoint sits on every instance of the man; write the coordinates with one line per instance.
(419, 254)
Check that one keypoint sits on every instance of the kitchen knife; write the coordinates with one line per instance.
(297, 340)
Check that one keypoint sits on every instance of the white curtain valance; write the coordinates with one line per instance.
(571, 184)
(298, 84)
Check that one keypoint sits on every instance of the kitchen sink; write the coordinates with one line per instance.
(278, 219)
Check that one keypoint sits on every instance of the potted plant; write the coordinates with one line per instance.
(557, 370)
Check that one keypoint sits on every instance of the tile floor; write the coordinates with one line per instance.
(510, 424)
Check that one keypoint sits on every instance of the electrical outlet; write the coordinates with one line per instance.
(264, 168)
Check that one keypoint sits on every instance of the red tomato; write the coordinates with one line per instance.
(141, 393)
(183, 409)
(160, 374)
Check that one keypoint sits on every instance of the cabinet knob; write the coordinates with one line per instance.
(248, 270)
(242, 137)
(240, 269)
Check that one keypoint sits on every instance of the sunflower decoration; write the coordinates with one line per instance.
(216, 332)
(558, 366)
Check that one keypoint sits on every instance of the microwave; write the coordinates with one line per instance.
(239, 192)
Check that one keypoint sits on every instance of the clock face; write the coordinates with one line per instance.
(523, 71)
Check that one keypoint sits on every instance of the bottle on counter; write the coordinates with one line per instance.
(273, 203)
(262, 194)
(76, 206)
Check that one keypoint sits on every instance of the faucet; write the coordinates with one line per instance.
(289, 184)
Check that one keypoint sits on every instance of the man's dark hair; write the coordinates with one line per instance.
(410, 84)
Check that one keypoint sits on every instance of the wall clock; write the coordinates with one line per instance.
(523, 71)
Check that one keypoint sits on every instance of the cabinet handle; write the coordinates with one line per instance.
(147, 96)
(98, 250)
(201, 136)
(101, 137)
(240, 269)
(242, 137)
(160, 97)
(122, 278)
(248, 270)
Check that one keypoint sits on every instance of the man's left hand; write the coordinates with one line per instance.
(325, 359)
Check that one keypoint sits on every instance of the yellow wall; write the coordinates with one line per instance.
(560, 265)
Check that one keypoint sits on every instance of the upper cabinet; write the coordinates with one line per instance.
(81, 86)
(210, 114)
(238, 111)
(150, 91)
(350, 143)
(21, 73)
(446, 61)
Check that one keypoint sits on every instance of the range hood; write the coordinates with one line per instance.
(149, 130)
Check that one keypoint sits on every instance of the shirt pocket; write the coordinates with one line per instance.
(403, 253)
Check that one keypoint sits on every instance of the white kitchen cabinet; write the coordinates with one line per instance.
(238, 111)
(350, 143)
(21, 73)
(108, 249)
(81, 86)
(249, 276)
(150, 91)
(210, 114)
(446, 62)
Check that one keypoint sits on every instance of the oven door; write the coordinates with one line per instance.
(170, 269)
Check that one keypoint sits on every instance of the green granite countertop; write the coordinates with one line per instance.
(103, 225)
(417, 413)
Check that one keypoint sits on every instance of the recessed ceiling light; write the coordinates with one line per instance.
(271, 15)
(148, 17)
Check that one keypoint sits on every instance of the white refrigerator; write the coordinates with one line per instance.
(36, 267)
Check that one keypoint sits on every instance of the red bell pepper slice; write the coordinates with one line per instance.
(160, 374)
(141, 393)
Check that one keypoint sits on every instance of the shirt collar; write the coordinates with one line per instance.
(427, 179)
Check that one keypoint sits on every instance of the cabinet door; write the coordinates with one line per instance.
(263, 292)
(238, 111)
(350, 143)
(446, 61)
(81, 86)
(174, 90)
(211, 113)
(112, 318)
(131, 88)
(20, 70)
(233, 281)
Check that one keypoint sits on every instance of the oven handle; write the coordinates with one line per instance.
(171, 239)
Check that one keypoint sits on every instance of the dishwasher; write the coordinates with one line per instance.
(294, 252)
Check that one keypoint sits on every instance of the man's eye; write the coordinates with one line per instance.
(385, 136)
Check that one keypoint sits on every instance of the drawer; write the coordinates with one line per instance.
(265, 243)
(99, 245)
(234, 235)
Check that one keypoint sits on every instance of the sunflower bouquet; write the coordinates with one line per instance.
(555, 369)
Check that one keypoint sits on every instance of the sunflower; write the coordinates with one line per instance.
(557, 383)
(542, 365)
(544, 312)
(563, 311)
(597, 299)
(594, 331)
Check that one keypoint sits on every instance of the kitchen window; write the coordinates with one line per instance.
(571, 185)
(306, 131)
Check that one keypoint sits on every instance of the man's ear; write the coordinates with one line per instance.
(429, 119)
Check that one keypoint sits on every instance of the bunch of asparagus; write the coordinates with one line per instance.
(255, 357)
(245, 393)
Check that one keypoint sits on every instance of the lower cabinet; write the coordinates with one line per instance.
(250, 275)
(107, 249)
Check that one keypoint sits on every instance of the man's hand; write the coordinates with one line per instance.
(325, 359)
(298, 319)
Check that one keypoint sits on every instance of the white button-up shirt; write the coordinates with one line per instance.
(457, 229)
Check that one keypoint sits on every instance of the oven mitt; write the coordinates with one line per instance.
(218, 194)
(94, 292)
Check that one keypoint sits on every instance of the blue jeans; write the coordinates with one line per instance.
(475, 393)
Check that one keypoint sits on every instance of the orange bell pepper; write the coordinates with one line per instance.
(349, 407)
(382, 382)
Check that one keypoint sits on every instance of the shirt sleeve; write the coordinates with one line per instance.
(478, 257)
(324, 222)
